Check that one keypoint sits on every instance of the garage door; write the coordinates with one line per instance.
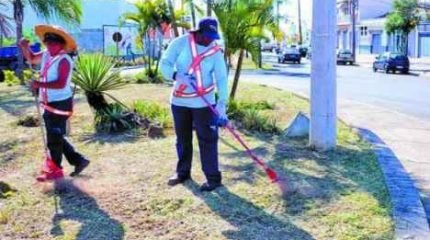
(376, 44)
(424, 45)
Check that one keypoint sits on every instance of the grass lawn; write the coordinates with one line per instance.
(123, 194)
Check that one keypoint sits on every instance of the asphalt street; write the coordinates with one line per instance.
(408, 94)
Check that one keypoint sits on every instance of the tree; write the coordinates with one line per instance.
(68, 11)
(404, 18)
(153, 18)
(244, 24)
(5, 24)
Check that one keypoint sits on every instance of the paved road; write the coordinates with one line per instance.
(395, 108)
(407, 94)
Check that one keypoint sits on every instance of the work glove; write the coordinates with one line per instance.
(222, 119)
(183, 81)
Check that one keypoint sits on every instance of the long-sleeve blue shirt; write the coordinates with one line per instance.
(178, 57)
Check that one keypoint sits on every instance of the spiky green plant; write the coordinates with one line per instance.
(95, 74)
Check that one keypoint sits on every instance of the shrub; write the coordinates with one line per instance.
(115, 118)
(29, 75)
(154, 112)
(10, 78)
(145, 77)
(254, 120)
(250, 116)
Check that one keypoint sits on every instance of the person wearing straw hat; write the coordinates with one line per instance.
(196, 63)
(56, 96)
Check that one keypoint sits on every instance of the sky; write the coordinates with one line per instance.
(290, 9)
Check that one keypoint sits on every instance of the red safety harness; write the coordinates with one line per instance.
(44, 91)
(196, 68)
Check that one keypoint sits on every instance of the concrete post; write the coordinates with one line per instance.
(323, 76)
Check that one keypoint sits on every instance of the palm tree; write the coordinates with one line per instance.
(5, 24)
(244, 24)
(69, 11)
(153, 18)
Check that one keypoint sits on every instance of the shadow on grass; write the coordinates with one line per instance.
(76, 205)
(9, 150)
(101, 138)
(250, 221)
(310, 176)
(11, 103)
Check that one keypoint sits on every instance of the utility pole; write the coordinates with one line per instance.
(354, 6)
(323, 76)
(209, 8)
(300, 22)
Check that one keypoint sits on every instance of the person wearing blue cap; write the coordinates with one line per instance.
(196, 63)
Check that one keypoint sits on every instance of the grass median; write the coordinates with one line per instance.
(334, 195)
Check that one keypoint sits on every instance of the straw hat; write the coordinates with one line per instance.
(42, 29)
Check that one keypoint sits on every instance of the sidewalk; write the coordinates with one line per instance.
(419, 66)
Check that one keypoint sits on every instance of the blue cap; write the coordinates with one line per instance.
(209, 28)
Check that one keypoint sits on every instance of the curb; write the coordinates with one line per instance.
(409, 215)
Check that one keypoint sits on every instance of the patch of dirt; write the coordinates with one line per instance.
(6, 190)
(29, 121)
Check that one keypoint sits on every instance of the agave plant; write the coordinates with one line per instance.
(95, 74)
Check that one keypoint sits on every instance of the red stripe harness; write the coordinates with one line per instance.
(44, 91)
(196, 68)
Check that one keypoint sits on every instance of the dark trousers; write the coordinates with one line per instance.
(55, 131)
(202, 119)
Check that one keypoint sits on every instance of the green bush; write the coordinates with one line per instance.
(251, 117)
(154, 112)
(10, 78)
(144, 77)
(115, 118)
(254, 120)
(141, 77)
(29, 75)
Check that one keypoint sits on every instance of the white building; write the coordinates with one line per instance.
(371, 37)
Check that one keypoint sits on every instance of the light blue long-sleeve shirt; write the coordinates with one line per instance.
(178, 58)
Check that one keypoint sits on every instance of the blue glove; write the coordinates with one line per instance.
(222, 119)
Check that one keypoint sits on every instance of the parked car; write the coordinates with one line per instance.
(290, 55)
(269, 47)
(391, 62)
(344, 57)
(9, 58)
(303, 51)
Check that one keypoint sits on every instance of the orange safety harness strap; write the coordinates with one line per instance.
(195, 68)
(43, 77)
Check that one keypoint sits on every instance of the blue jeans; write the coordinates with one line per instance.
(202, 119)
(55, 131)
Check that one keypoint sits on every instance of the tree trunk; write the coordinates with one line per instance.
(96, 101)
(193, 14)
(172, 12)
(237, 74)
(300, 22)
(18, 15)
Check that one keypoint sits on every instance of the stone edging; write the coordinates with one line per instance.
(408, 211)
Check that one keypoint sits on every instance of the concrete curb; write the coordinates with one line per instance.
(409, 216)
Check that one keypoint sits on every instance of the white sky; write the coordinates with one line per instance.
(290, 9)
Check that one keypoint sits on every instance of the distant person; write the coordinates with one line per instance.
(187, 106)
(56, 96)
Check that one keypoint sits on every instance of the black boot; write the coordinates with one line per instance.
(80, 167)
(176, 179)
(207, 187)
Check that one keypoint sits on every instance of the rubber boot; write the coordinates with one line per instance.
(50, 171)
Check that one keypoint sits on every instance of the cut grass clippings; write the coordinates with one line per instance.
(123, 194)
